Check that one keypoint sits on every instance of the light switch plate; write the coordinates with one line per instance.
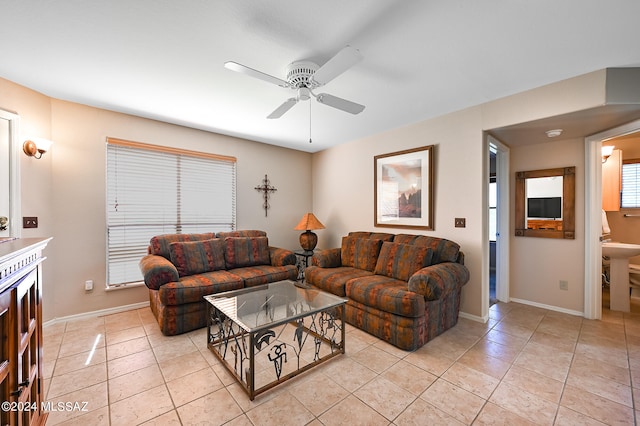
(460, 222)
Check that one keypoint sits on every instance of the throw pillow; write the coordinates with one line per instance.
(196, 257)
(246, 251)
(361, 253)
(443, 250)
(401, 261)
(160, 244)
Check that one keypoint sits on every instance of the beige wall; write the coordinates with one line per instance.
(538, 264)
(343, 188)
(343, 185)
(66, 190)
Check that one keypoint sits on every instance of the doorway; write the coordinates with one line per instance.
(493, 223)
(9, 176)
(498, 221)
(593, 216)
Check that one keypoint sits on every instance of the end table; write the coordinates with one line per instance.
(302, 261)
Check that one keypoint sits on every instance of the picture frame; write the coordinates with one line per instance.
(403, 189)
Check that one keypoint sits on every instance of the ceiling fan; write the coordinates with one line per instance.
(306, 76)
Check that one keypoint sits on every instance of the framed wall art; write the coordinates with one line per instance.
(403, 189)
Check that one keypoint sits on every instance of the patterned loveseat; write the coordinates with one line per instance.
(182, 268)
(402, 288)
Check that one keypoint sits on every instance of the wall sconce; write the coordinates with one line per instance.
(36, 147)
(606, 152)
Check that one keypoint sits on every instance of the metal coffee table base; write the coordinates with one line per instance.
(264, 358)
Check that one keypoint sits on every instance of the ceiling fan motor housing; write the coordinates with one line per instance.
(299, 74)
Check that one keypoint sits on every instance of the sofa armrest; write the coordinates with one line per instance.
(329, 258)
(437, 281)
(157, 271)
(281, 257)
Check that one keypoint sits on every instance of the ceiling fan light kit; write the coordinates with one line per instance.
(304, 76)
(299, 74)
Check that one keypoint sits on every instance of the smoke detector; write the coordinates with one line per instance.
(554, 133)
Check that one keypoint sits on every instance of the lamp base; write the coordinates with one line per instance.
(308, 240)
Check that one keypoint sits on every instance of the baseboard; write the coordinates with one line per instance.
(548, 307)
(473, 317)
(99, 313)
(524, 302)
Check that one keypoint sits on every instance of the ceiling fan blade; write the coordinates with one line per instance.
(339, 103)
(342, 61)
(286, 106)
(234, 66)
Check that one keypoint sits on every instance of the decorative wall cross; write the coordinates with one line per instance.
(266, 190)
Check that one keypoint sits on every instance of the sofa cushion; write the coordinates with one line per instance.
(195, 257)
(405, 238)
(159, 244)
(264, 274)
(400, 261)
(193, 287)
(360, 253)
(246, 251)
(241, 233)
(386, 294)
(443, 250)
(332, 280)
(372, 235)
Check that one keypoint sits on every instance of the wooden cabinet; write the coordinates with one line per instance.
(5, 351)
(612, 182)
(21, 386)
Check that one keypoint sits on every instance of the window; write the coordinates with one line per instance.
(153, 190)
(630, 184)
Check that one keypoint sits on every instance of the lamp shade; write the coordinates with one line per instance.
(308, 222)
(43, 144)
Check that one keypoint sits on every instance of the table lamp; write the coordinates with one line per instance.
(308, 239)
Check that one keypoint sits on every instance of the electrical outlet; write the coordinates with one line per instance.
(564, 285)
(29, 222)
(88, 285)
(460, 222)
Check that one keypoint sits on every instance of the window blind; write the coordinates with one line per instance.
(630, 185)
(153, 190)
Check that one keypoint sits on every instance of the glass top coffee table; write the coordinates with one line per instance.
(268, 334)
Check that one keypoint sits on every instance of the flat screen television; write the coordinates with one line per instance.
(545, 207)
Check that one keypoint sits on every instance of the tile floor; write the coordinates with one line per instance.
(525, 366)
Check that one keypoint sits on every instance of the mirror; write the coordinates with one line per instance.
(545, 203)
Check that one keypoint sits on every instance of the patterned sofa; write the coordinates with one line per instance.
(402, 288)
(182, 268)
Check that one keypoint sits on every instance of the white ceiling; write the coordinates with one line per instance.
(163, 59)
